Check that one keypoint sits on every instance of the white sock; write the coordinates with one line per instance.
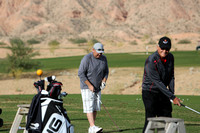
(92, 126)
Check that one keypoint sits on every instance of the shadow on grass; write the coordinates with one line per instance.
(123, 130)
(4, 130)
(192, 124)
(134, 129)
(83, 119)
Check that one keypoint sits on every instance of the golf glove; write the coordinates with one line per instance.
(103, 85)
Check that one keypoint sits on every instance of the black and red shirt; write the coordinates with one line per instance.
(159, 74)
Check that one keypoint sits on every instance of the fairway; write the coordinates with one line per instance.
(126, 110)
(182, 59)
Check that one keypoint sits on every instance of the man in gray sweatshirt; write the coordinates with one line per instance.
(93, 73)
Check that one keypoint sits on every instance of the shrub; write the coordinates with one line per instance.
(33, 41)
(2, 44)
(145, 37)
(151, 42)
(78, 40)
(184, 41)
(94, 41)
(54, 44)
(90, 45)
(134, 42)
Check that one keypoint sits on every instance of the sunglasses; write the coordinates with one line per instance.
(167, 49)
(99, 49)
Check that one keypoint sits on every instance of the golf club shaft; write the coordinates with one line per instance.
(110, 116)
(108, 113)
(188, 107)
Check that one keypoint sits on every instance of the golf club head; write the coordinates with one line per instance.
(50, 78)
(39, 85)
(63, 94)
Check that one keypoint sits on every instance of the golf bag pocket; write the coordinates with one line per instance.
(34, 121)
(54, 117)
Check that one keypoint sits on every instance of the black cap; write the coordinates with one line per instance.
(164, 43)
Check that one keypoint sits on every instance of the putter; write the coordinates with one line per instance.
(188, 107)
(108, 113)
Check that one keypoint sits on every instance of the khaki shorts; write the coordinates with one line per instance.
(90, 100)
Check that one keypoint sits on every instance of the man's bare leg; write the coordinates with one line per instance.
(92, 117)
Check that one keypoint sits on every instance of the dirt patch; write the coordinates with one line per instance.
(121, 81)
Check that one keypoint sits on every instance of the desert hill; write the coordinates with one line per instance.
(115, 19)
(117, 23)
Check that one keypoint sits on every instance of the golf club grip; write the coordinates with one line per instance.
(182, 105)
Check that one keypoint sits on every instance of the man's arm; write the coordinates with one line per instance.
(104, 80)
(171, 83)
(83, 71)
(103, 83)
(106, 71)
(90, 86)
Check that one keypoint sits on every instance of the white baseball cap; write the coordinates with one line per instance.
(98, 47)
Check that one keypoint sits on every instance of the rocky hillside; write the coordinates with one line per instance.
(103, 19)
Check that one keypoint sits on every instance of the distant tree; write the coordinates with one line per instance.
(20, 58)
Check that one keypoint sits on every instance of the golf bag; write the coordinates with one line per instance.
(46, 113)
(1, 120)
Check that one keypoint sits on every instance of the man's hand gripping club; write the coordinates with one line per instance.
(176, 101)
(103, 85)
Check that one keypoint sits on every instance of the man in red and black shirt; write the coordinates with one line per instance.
(158, 82)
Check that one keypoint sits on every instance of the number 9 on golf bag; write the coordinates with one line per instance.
(46, 113)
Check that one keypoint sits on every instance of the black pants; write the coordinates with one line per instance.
(156, 105)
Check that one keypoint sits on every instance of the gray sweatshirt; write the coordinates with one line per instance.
(94, 70)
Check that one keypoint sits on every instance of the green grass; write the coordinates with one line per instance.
(187, 58)
(126, 110)
(182, 59)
